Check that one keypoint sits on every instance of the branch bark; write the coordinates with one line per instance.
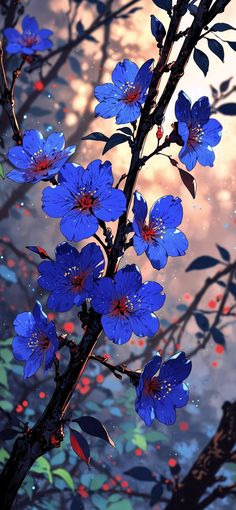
(202, 474)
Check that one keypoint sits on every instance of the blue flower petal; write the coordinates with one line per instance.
(125, 71)
(77, 225)
(117, 328)
(179, 395)
(24, 324)
(150, 296)
(33, 363)
(110, 205)
(20, 348)
(205, 155)
(19, 158)
(109, 108)
(13, 48)
(157, 254)
(212, 132)
(91, 259)
(44, 33)
(127, 280)
(169, 209)
(144, 408)
(175, 242)
(39, 315)
(182, 108)
(144, 323)
(151, 368)
(18, 176)
(66, 255)
(144, 78)
(183, 131)
(71, 176)
(33, 141)
(51, 275)
(61, 301)
(108, 91)
(129, 113)
(164, 411)
(103, 295)
(100, 174)
(11, 34)
(139, 244)
(29, 24)
(56, 202)
(188, 156)
(54, 143)
(176, 369)
(45, 44)
(139, 207)
(201, 111)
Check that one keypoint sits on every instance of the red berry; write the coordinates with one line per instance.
(159, 133)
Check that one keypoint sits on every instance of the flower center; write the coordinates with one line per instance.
(148, 233)
(196, 133)
(30, 39)
(120, 307)
(85, 202)
(42, 164)
(132, 95)
(151, 386)
(77, 281)
(38, 340)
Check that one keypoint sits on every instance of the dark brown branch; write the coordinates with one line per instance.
(219, 493)
(203, 472)
(7, 97)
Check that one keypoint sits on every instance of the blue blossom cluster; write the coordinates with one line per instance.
(85, 198)
(31, 40)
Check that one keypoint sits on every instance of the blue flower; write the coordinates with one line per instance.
(127, 305)
(198, 132)
(158, 397)
(31, 40)
(36, 341)
(70, 278)
(37, 158)
(123, 98)
(160, 238)
(82, 198)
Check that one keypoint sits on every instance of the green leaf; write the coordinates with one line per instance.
(42, 466)
(1, 172)
(62, 473)
(3, 376)
(27, 486)
(125, 504)
(3, 455)
(153, 436)
(6, 355)
(97, 482)
(6, 406)
(140, 441)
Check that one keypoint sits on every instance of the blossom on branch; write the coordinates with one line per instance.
(70, 278)
(38, 159)
(158, 396)
(36, 341)
(82, 198)
(31, 40)
(198, 132)
(127, 305)
(160, 238)
(124, 97)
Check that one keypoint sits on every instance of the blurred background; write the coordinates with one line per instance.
(60, 98)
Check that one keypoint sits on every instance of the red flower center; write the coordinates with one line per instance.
(42, 164)
(85, 202)
(43, 343)
(77, 282)
(151, 386)
(132, 95)
(148, 233)
(120, 307)
(30, 39)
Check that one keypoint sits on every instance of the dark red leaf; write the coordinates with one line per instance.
(94, 427)
(189, 182)
(80, 445)
(40, 251)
